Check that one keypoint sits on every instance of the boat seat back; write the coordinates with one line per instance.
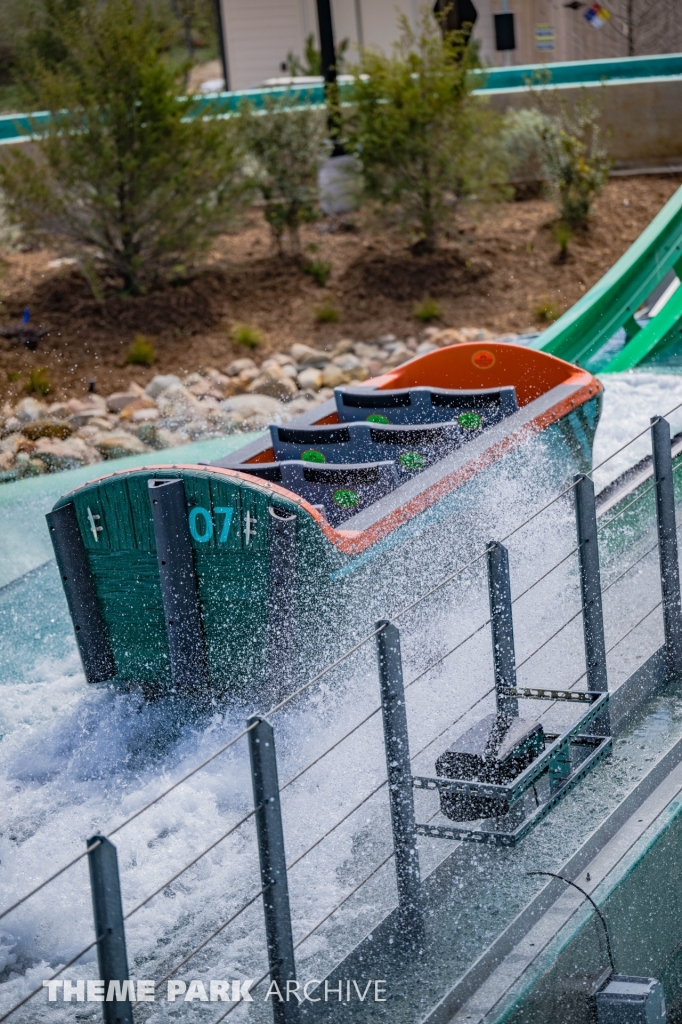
(338, 491)
(411, 448)
(425, 405)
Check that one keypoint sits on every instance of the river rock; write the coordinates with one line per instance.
(310, 378)
(274, 383)
(255, 410)
(351, 365)
(238, 366)
(178, 405)
(161, 383)
(119, 443)
(304, 355)
(333, 376)
(47, 428)
(30, 409)
(120, 399)
(65, 454)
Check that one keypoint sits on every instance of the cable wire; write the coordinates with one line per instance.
(42, 885)
(56, 974)
(208, 849)
(201, 945)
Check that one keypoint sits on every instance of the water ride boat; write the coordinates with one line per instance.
(241, 571)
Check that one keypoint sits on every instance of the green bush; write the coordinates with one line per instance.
(286, 143)
(547, 311)
(576, 158)
(319, 270)
(523, 139)
(141, 352)
(327, 312)
(244, 334)
(122, 166)
(38, 382)
(427, 310)
(422, 138)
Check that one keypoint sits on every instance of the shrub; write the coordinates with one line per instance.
(286, 143)
(547, 311)
(244, 334)
(38, 382)
(122, 165)
(577, 162)
(327, 312)
(523, 139)
(427, 310)
(141, 352)
(319, 270)
(422, 139)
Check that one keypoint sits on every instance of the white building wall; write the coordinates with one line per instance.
(260, 33)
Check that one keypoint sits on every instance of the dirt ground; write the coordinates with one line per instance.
(495, 268)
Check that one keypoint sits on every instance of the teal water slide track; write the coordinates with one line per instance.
(588, 332)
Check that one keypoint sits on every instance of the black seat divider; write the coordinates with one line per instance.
(424, 405)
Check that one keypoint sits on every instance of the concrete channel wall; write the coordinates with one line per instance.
(642, 116)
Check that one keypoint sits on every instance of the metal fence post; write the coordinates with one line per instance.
(590, 588)
(108, 913)
(273, 867)
(667, 544)
(401, 794)
(502, 627)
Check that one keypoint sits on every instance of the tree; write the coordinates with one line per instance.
(123, 170)
(287, 141)
(422, 138)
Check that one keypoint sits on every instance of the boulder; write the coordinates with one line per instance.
(30, 409)
(119, 443)
(47, 428)
(302, 404)
(65, 454)
(274, 383)
(310, 379)
(161, 383)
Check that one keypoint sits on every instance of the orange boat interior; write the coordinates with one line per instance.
(471, 366)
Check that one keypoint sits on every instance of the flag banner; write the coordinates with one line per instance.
(597, 15)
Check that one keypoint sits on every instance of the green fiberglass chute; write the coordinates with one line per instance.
(612, 303)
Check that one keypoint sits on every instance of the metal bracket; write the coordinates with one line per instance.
(555, 761)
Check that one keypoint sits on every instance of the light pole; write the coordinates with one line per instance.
(328, 59)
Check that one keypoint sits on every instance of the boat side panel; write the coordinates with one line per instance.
(230, 543)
